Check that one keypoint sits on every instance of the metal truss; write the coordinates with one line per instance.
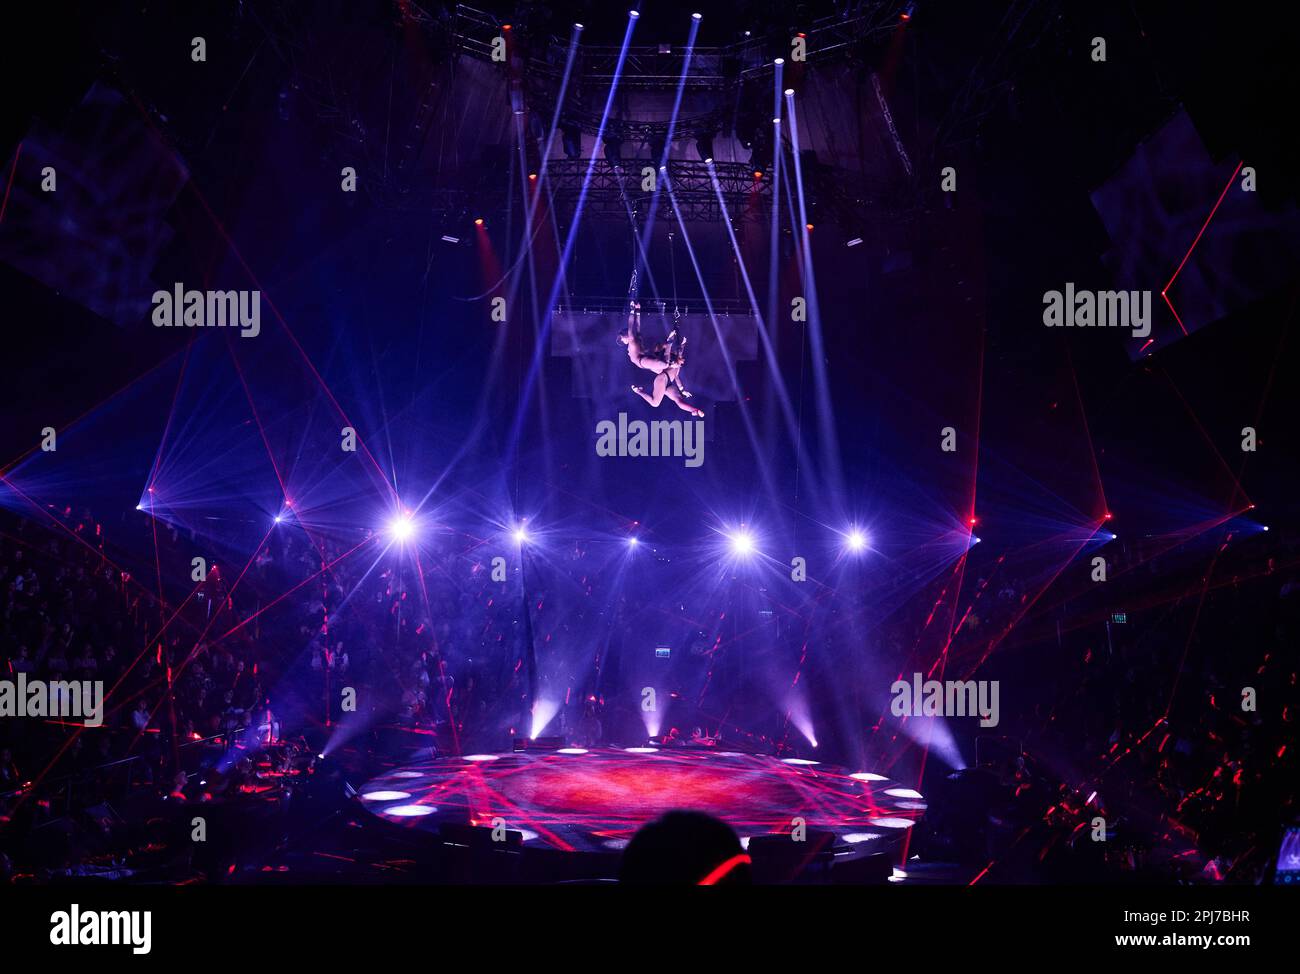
(616, 190)
(694, 306)
(658, 67)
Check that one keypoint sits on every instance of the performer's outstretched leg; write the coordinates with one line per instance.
(656, 395)
(673, 394)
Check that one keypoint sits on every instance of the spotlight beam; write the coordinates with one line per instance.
(543, 333)
(825, 411)
(722, 345)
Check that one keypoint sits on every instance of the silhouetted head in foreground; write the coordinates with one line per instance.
(685, 849)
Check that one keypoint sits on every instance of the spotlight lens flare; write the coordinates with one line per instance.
(855, 540)
(401, 528)
(742, 543)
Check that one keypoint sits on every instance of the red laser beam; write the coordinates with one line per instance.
(1164, 292)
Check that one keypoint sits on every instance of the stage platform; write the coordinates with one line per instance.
(592, 801)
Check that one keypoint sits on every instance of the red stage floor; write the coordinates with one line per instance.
(594, 800)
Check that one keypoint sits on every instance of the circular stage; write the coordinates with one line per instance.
(579, 800)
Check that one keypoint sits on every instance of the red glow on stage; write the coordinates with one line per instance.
(607, 791)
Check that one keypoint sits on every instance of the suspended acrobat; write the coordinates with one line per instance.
(665, 359)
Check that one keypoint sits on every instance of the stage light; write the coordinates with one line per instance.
(385, 796)
(695, 16)
(742, 543)
(572, 750)
(889, 822)
(903, 793)
(779, 61)
(855, 540)
(410, 811)
(532, 176)
(481, 757)
(478, 221)
(571, 137)
(401, 528)
(634, 14)
(448, 238)
(758, 174)
(632, 542)
(577, 26)
(542, 712)
(709, 161)
(974, 540)
(1108, 516)
(808, 226)
(973, 521)
(1265, 527)
(278, 519)
(789, 91)
(139, 507)
(867, 776)
(658, 144)
(798, 761)
(854, 242)
(704, 145)
(776, 121)
(520, 535)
